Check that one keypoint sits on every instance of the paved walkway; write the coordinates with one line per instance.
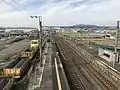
(47, 81)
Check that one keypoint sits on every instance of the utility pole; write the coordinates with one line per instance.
(76, 36)
(116, 45)
(81, 35)
(88, 37)
(41, 36)
(70, 35)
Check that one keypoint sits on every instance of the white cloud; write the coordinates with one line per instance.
(3, 8)
(104, 13)
(17, 19)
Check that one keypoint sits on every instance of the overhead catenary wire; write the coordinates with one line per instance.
(21, 6)
(9, 4)
(16, 8)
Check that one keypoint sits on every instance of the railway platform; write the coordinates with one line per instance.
(51, 75)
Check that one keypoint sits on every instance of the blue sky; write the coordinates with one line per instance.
(59, 12)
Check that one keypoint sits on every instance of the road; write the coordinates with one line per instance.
(5, 42)
(13, 49)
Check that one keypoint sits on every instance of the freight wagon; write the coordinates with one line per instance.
(31, 51)
(19, 69)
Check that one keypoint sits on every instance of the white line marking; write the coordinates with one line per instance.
(58, 77)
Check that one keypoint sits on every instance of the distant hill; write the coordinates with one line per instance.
(86, 26)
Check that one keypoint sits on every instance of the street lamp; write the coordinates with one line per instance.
(40, 29)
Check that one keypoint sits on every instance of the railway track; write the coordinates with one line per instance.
(24, 64)
(102, 81)
(73, 71)
(78, 61)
